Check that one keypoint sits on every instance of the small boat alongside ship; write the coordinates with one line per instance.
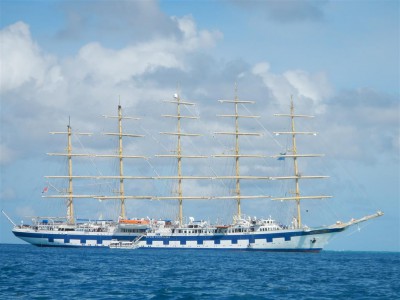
(243, 233)
(116, 244)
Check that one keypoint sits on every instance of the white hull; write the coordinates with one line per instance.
(282, 240)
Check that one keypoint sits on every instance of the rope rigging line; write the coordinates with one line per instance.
(265, 129)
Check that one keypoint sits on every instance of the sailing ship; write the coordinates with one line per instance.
(242, 233)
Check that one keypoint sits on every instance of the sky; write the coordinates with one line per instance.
(74, 61)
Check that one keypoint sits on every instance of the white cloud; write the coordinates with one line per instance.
(46, 90)
(187, 26)
(21, 59)
(100, 64)
(113, 66)
(277, 84)
(313, 86)
(194, 39)
(298, 83)
(91, 81)
(364, 125)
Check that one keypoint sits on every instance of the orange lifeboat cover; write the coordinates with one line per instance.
(134, 221)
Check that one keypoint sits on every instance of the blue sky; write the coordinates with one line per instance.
(339, 60)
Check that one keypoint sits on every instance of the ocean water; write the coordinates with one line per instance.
(28, 272)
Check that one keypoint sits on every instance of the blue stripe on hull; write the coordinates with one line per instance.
(235, 238)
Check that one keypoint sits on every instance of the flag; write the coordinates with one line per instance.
(45, 190)
(282, 158)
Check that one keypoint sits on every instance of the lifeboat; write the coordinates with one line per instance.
(222, 226)
(141, 222)
(134, 224)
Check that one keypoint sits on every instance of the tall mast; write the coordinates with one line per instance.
(121, 164)
(70, 192)
(297, 176)
(179, 153)
(237, 155)
(296, 168)
(178, 102)
(121, 193)
(70, 203)
(239, 211)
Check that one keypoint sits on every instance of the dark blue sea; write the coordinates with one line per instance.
(28, 272)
